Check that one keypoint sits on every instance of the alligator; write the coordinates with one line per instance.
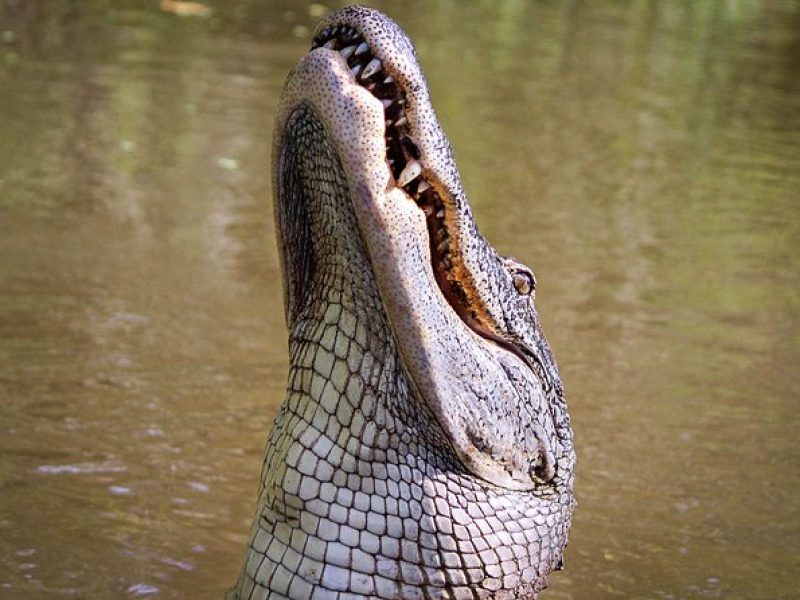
(424, 448)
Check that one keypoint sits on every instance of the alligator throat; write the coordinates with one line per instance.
(424, 448)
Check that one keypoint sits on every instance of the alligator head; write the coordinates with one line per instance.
(424, 448)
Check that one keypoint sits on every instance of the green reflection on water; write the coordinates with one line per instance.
(643, 156)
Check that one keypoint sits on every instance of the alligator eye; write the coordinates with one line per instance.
(524, 282)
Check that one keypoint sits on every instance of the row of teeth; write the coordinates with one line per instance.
(402, 154)
(401, 151)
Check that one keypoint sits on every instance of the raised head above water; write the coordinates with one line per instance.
(424, 448)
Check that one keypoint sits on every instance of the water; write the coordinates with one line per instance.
(643, 156)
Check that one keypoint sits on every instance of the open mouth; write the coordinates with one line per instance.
(403, 156)
(409, 173)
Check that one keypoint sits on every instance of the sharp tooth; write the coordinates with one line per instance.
(347, 52)
(443, 246)
(387, 102)
(372, 67)
(389, 79)
(411, 171)
(401, 121)
(428, 210)
(423, 185)
(446, 262)
(440, 213)
(355, 70)
(362, 47)
(370, 86)
(329, 44)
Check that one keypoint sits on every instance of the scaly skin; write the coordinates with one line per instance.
(424, 447)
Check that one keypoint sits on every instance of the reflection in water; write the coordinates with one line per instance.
(642, 156)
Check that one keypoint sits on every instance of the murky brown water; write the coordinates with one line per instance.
(644, 156)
